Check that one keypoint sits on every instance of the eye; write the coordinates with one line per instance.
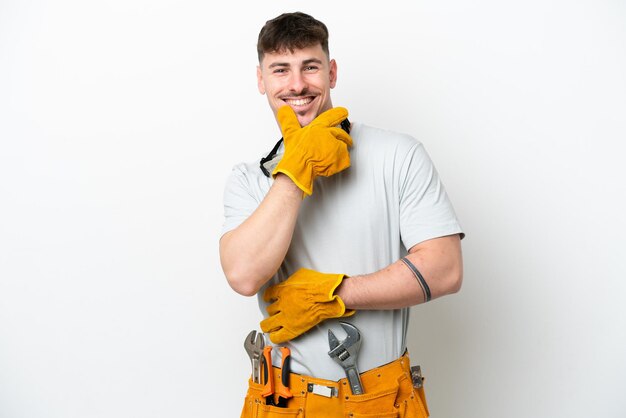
(279, 71)
(310, 68)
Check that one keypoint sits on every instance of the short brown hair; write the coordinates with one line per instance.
(291, 31)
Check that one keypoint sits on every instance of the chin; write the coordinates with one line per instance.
(305, 120)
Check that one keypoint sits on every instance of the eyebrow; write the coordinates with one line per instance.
(286, 64)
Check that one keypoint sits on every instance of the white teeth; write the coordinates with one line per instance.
(299, 102)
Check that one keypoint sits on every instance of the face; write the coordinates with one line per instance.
(301, 79)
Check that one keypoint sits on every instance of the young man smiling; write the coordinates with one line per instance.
(301, 79)
(341, 222)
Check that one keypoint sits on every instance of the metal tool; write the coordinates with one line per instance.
(254, 344)
(345, 353)
(416, 377)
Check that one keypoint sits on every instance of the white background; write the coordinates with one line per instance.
(120, 120)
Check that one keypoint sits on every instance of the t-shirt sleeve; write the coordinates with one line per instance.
(239, 200)
(425, 209)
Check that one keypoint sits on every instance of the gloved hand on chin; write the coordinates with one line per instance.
(302, 301)
(317, 149)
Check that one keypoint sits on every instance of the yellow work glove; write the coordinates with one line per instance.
(302, 301)
(318, 149)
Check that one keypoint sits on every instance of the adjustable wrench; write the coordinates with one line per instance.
(345, 353)
(254, 344)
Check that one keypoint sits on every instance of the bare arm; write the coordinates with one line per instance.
(439, 261)
(252, 253)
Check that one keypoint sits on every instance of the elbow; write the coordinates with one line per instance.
(243, 289)
(244, 278)
(455, 273)
(240, 277)
(455, 280)
(241, 283)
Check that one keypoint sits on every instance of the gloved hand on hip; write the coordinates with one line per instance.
(302, 301)
(318, 149)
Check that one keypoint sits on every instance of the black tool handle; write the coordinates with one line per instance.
(268, 376)
(283, 390)
(286, 367)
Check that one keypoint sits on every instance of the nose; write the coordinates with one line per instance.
(297, 82)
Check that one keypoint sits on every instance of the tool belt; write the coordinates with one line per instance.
(390, 391)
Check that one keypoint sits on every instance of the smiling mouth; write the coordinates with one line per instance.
(298, 102)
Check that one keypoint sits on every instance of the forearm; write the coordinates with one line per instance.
(252, 253)
(440, 263)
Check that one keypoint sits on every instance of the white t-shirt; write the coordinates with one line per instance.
(355, 222)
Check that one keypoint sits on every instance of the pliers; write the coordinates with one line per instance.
(282, 389)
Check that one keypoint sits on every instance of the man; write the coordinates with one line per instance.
(320, 231)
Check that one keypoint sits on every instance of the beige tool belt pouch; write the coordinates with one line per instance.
(388, 393)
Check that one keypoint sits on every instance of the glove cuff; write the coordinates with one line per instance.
(336, 299)
(305, 186)
(348, 312)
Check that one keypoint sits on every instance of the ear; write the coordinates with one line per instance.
(259, 80)
(333, 73)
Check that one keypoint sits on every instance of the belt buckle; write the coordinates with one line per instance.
(327, 391)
